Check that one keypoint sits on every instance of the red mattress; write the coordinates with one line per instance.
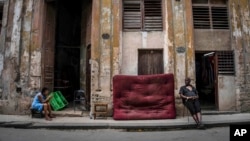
(143, 97)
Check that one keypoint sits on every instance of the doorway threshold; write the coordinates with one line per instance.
(70, 112)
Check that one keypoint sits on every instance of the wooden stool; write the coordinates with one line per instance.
(104, 111)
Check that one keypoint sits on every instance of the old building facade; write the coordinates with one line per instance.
(84, 43)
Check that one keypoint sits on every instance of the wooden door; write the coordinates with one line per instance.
(150, 62)
(49, 45)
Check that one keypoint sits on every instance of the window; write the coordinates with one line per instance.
(142, 15)
(150, 61)
(1, 16)
(210, 14)
(226, 62)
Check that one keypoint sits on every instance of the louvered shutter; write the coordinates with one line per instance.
(153, 15)
(220, 18)
(132, 15)
(201, 17)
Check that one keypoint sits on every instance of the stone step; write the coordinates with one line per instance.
(71, 113)
(214, 112)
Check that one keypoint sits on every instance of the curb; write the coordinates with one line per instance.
(129, 127)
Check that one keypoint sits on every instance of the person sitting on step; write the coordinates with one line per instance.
(41, 103)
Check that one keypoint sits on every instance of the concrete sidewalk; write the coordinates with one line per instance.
(16, 121)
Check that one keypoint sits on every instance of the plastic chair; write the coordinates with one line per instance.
(79, 96)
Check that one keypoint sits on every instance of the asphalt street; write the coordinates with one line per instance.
(212, 134)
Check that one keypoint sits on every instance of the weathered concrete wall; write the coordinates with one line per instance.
(21, 44)
(212, 40)
(21, 47)
(101, 54)
(226, 93)
(182, 29)
(240, 34)
(132, 41)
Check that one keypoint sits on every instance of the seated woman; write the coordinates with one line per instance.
(41, 103)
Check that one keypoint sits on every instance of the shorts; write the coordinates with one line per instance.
(193, 106)
(37, 106)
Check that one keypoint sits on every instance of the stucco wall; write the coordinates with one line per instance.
(21, 49)
(132, 41)
(240, 35)
(226, 93)
(212, 40)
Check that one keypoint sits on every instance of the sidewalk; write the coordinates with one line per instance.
(17, 121)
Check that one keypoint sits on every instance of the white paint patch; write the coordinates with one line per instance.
(35, 65)
(237, 31)
(1, 63)
(144, 39)
(15, 40)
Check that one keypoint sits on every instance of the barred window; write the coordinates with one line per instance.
(142, 15)
(210, 14)
(226, 62)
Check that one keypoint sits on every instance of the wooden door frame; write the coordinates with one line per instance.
(44, 11)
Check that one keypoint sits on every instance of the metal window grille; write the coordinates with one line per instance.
(226, 62)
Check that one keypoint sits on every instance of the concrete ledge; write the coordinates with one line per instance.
(25, 122)
(131, 126)
(70, 126)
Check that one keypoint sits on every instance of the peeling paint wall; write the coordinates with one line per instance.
(114, 51)
(240, 26)
(101, 55)
(21, 50)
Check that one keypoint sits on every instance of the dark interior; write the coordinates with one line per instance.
(67, 51)
(205, 79)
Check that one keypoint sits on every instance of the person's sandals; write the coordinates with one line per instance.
(52, 116)
(48, 118)
(200, 126)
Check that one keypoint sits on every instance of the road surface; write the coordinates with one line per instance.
(213, 134)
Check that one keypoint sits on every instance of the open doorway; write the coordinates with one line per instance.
(206, 79)
(67, 47)
(66, 36)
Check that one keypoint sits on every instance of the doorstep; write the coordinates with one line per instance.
(71, 113)
(18, 121)
(216, 112)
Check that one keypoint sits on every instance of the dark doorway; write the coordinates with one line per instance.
(206, 79)
(150, 61)
(67, 47)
